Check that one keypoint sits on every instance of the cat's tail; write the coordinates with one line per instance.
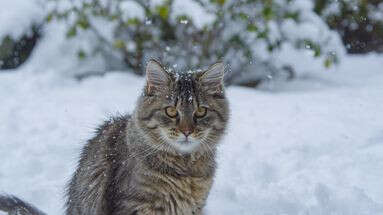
(16, 206)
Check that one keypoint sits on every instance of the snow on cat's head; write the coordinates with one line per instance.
(183, 112)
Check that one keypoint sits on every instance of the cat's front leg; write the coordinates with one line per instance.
(149, 211)
(140, 209)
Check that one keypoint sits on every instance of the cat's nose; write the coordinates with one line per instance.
(186, 126)
(187, 132)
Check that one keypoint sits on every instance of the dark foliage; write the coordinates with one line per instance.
(14, 52)
(361, 32)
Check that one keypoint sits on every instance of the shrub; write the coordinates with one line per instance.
(249, 35)
(359, 22)
(20, 23)
(14, 52)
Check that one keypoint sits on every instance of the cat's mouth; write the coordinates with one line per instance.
(185, 141)
(186, 145)
(181, 143)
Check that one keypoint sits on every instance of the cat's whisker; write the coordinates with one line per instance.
(208, 149)
(152, 150)
(149, 150)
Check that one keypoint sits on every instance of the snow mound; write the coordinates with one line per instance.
(311, 146)
(17, 17)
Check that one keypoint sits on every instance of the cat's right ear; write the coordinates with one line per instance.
(157, 79)
(211, 80)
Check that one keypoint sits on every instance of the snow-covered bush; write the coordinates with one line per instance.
(360, 23)
(259, 39)
(20, 22)
(250, 35)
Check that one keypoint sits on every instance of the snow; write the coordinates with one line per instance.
(200, 16)
(17, 16)
(56, 54)
(131, 9)
(313, 146)
(309, 27)
(310, 146)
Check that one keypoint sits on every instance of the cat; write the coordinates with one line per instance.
(160, 159)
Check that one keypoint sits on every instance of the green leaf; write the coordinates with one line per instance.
(243, 16)
(252, 27)
(308, 44)
(270, 47)
(292, 15)
(113, 17)
(327, 62)
(262, 35)
(71, 32)
(83, 22)
(81, 54)
(331, 59)
(133, 21)
(163, 11)
(49, 17)
(219, 2)
(317, 51)
(267, 13)
(119, 44)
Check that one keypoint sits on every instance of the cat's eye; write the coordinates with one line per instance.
(200, 112)
(171, 112)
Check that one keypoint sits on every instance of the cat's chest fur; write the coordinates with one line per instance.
(179, 184)
(155, 182)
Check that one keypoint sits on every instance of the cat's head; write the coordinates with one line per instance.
(183, 112)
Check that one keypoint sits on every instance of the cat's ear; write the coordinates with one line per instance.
(212, 79)
(157, 79)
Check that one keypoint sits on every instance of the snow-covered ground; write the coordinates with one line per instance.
(310, 146)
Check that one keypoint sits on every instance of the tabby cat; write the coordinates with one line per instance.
(160, 159)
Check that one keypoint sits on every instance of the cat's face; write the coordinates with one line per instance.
(184, 112)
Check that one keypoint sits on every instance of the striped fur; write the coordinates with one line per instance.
(134, 166)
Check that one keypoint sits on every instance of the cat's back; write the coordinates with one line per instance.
(109, 141)
(98, 161)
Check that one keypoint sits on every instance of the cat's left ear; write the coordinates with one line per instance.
(212, 79)
(157, 79)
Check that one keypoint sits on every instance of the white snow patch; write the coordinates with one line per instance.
(195, 11)
(55, 53)
(18, 16)
(131, 9)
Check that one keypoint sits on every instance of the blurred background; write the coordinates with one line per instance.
(258, 39)
(304, 79)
